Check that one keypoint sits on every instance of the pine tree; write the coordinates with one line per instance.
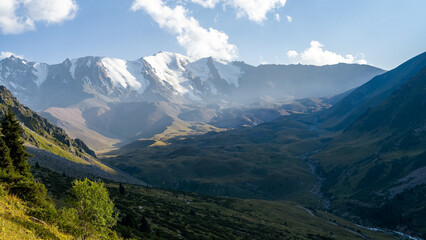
(130, 221)
(144, 227)
(122, 190)
(6, 164)
(12, 131)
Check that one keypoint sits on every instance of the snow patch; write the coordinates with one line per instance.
(72, 68)
(200, 69)
(135, 68)
(228, 71)
(13, 85)
(125, 74)
(170, 68)
(40, 71)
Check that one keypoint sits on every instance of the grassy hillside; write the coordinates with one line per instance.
(260, 162)
(32, 121)
(178, 215)
(16, 225)
(44, 143)
(378, 163)
(39, 134)
(370, 94)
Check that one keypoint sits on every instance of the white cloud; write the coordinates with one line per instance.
(289, 19)
(197, 41)
(18, 16)
(255, 10)
(315, 55)
(207, 3)
(9, 22)
(277, 17)
(8, 54)
(292, 54)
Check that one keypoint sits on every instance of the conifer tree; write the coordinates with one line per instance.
(144, 227)
(129, 220)
(122, 190)
(6, 164)
(12, 131)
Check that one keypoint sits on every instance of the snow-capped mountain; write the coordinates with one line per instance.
(171, 77)
(163, 76)
(105, 100)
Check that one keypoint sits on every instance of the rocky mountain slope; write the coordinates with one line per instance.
(88, 96)
(172, 77)
(53, 148)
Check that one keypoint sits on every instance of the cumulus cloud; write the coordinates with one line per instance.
(289, 19)
(18, 16)
(315, 55)
(197, 41)
(292, 54)
(255, 10)
(8, 54)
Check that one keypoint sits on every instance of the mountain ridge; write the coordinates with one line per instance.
(162, 76)
(370, 94)
(169, 90)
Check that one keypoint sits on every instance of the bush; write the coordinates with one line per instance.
(91, 213)
(35, 195)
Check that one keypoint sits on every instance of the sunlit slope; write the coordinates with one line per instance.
(16, 225)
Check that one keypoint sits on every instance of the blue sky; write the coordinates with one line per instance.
(382, 33)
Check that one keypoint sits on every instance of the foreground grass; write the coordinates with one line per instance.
(16, 225)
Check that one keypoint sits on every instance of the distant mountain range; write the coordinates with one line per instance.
(105, 101)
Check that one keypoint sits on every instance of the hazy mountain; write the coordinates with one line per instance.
(171, 76)
(105, 101)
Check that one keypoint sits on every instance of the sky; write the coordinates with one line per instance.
(382, 33)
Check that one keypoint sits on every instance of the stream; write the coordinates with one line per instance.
(406, 236)
(326, 203)
(316, 190)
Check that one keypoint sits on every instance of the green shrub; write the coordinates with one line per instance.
(91, 213)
